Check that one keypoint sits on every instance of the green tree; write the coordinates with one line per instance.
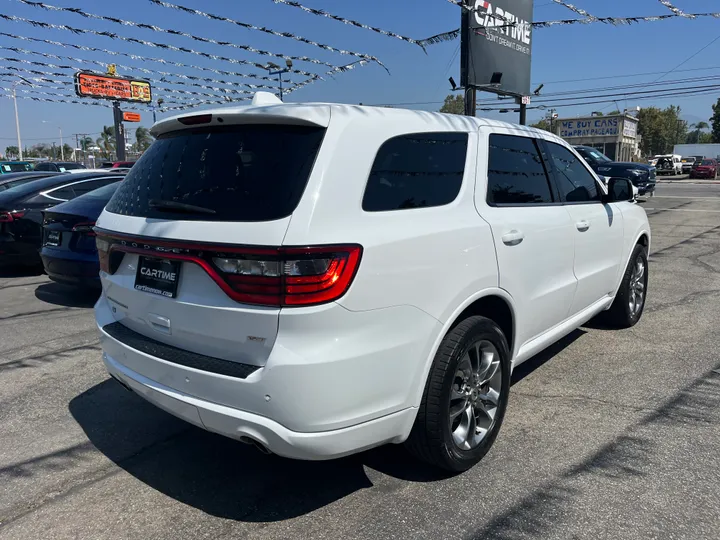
(715, 121)
(543, 123)
(67, 150)
(143, 139)
(106, 142)
(454, 104)
(11, 151)
(661, 129)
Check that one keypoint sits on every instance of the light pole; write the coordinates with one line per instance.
(279, 72)
(62, 150)
(22, 80)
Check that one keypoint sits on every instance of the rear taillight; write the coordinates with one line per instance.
(265, 276)
(103, 249)
(87, 228)
(7, 217)
(290, 276)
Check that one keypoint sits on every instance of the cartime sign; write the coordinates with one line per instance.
(497, 46)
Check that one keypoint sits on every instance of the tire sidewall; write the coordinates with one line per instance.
(638, 252)
(458, 459)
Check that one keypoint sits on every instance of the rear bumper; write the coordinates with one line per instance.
(336, 382)
(278, 439)
(71, 271)
(18, 254)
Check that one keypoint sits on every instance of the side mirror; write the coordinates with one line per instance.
(619, 189)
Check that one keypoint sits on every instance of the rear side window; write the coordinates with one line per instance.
(234, 173)
(516, 173)
(575, 182)
(416, 171)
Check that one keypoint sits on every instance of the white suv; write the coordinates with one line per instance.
(319, 279)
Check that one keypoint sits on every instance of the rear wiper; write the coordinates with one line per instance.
(174, 206)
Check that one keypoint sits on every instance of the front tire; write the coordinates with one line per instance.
(629, 303)
(465, 397)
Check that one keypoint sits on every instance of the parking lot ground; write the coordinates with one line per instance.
(609, 434)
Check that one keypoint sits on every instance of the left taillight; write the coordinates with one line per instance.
(87, 228)
(7, 217)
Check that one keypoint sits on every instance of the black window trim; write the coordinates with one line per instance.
(463, 181)
(47, 193)
(546, 156)
(540, 147)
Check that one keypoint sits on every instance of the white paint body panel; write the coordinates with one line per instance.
(349, 375)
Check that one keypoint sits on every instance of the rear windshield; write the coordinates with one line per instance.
(233, 173)
(18, 166)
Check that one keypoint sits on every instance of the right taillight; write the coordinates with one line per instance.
(290, 276)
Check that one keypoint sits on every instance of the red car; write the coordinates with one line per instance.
(708, 168)
(117, 164)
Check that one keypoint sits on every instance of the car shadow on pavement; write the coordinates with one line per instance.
(62, 295)
(226, 478)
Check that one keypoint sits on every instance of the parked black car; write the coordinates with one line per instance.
(11, 180)
(641, 175)
(21, 212)
(69, 254)
(59, 166)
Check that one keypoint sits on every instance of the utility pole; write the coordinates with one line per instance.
(17, 122)
(62, 150)
(523, 114)
(77, 145)
(119, 132)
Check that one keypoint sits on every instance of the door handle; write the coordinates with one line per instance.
(513, 238)
(583, 225)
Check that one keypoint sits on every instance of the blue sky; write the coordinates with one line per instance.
(577, 53)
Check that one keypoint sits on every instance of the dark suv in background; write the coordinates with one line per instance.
(641, 175)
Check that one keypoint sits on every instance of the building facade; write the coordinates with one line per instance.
(615, 136)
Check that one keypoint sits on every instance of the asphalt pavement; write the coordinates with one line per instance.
(609, 434)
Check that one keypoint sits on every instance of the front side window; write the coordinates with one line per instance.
(516, 173)
(575, 182)
(418, 170)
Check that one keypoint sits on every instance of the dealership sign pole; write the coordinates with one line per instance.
(110, 86)
(496, 49)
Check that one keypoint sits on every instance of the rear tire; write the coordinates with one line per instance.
(465, 397)
(629, 303)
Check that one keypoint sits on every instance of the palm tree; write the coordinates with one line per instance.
(143, 139)
(106, 142)
(694, 136)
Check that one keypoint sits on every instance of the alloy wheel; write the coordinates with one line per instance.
(475, 395)
(637, 287)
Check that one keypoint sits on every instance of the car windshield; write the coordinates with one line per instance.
(707, 162)
(594, 154)
(18, 166)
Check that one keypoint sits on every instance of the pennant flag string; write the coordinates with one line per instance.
(590, 18)
(123, 22)
(160, 88)
(20, 50)
(41, 24)
(323, 13)
(144, 58)
(263, 29)
(675, 10)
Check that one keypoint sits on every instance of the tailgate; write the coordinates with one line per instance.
(188, 243)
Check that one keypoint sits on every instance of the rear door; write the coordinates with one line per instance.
(533, 233)
(196, 224)
(597, 228)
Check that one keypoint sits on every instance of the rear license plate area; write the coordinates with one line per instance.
(53, 238)
(158, 276)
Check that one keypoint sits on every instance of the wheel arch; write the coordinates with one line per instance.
(495, 304)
